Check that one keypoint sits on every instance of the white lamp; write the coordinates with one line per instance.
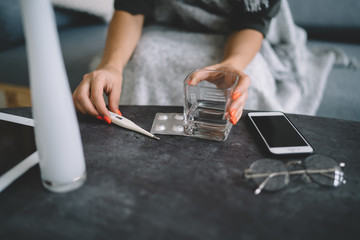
(57, 134)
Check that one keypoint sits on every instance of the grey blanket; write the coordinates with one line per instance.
(286, 75)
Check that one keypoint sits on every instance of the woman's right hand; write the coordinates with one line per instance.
(124, 32)
(88, 96)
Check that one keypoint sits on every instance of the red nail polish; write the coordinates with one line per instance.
(107, 119)
(233, 112)
(100, 117)
(236, 95)
(233, 120)
(118, 112)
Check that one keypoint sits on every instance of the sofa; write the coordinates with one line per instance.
(82, 37)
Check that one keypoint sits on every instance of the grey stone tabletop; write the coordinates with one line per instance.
(186, 188)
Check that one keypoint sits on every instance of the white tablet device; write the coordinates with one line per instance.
(17, 147)
(279, 134)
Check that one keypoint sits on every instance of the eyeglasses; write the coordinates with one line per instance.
(273, 175)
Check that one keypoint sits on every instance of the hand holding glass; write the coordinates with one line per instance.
(208, 95)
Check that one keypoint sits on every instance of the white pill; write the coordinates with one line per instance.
(179, 117)
(160, 127)
(178, 128)
(162, 117)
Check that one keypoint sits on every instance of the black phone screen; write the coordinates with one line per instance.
(17, 142)
(278, 131)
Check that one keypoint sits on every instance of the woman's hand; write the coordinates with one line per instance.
(240, 48)
(240, 93)
(124, 32)
(88, 96)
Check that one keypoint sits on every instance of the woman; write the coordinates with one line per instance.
(243, 22)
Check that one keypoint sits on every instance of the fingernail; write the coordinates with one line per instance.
(118, 112)
(233, 120)
(192, 81)
(100, 117)
(233, 112)
(236, 95)
(107, 119)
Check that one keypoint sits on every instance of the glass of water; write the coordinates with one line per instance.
(208, 95)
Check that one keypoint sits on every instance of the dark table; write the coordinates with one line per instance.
(186, 188)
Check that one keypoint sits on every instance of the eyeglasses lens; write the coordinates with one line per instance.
(324, 170)
(273, 172)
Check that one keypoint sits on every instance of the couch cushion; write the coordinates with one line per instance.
(331, 20)
(341, 97)
(326, 13)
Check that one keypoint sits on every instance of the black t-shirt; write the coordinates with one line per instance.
(239, 17)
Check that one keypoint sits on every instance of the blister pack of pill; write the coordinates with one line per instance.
(168, 124)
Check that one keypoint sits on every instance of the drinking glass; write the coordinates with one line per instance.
(208, 95)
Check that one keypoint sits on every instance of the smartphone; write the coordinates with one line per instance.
(279, 134)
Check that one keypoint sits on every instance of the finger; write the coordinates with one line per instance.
(236, 107)
(82, 100)
(218, 77)
(78, 107)
(223, 76)
(114, 98)
(235, 114)
(240, 92)
(197, 76)
(238, 102)
(242, 86)
(96, 96)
